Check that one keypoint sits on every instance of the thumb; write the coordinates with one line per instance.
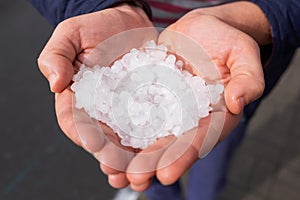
(247, 79)
(56, 59)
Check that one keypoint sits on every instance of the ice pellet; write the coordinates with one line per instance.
(145, 95)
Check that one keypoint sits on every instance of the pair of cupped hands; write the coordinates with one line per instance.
(234, 53)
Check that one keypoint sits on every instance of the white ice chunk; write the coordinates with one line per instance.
(145, 95)
(171, 59)
(179, 64)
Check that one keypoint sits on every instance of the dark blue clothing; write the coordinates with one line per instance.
(58, 10)
(283, 16)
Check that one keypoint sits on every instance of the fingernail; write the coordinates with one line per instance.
(51, 80)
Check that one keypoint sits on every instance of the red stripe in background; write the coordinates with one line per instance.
(206, 0)
(164, 20)
(167, 7)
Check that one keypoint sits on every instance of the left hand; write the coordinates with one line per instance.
(237, 58)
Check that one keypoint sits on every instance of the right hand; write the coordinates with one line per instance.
(72, 42)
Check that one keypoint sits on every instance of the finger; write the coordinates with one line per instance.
(55, 61)
(108, 170)
(247, 79)
(141, 187)
(174, 171)
(140, 179)
(76, 124)
(143, 166)
(118, 180)
(180, 155)
(64, 114)
(113, 158)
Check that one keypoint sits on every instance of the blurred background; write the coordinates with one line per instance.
(38, 162)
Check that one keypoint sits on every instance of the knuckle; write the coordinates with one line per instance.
(40, 61)
(69, 26)
(260, 88)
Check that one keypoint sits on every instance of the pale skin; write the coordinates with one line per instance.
(235, 30)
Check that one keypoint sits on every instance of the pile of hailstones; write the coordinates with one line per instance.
(145, 95)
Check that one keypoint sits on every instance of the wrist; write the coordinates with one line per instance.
(246, 17)
(137, 12)
(139, 6)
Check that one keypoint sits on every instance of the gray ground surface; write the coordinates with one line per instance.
(38, 162)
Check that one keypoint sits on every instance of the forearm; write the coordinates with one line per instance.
(245, 16)
(269, 21)
(283, 17)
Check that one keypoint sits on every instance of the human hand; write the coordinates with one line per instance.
(75, 42)
(236, 55)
